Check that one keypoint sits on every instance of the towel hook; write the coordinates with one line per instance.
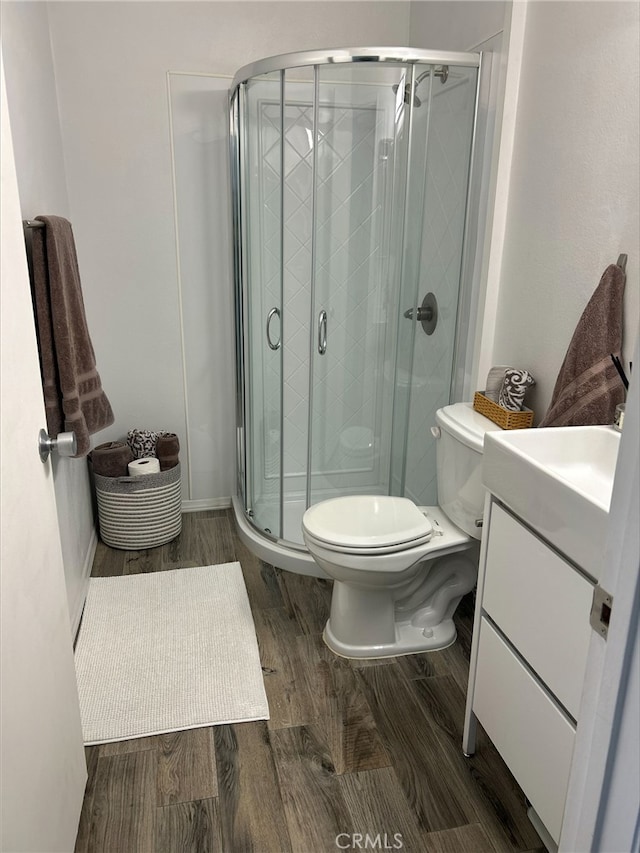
(622, 262)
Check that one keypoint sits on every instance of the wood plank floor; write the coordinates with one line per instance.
(352, 748)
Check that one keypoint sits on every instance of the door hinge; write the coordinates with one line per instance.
(601, 611)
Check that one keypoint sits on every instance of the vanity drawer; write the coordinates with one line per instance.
(541, 603)
(531, 733)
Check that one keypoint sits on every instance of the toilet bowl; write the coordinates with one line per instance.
(400, 570)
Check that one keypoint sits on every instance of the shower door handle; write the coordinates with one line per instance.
(427, 314)
(322, 332)
(275, 312)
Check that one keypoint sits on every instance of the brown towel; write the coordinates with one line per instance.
(167, 450)
(111, 459)
(588, 387)
(73, 395)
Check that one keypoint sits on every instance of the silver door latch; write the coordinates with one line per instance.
(601, 611)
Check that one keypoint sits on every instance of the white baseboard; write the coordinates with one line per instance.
(87, 565)
(206, 503)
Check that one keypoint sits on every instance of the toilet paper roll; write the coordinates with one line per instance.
(139, 467)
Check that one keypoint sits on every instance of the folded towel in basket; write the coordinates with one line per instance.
(588, 387)
(111, 459)
(167, 450)
(513, 389)
(142, 442)
(495, 378)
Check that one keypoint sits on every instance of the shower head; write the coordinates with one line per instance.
(407, 94)
(442, 72)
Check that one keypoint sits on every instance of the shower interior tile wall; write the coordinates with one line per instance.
(349, 217)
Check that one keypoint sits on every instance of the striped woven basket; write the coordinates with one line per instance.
(139, 512)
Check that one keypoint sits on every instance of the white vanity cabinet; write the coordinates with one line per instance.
(531, 637)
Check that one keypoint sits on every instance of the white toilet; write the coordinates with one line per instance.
(401, 570)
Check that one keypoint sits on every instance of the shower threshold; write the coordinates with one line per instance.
(290, 556)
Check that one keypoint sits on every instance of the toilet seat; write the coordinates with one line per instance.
(390, 560)
(371, 551)
(367, 524)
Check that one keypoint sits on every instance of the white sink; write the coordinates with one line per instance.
(558, 480)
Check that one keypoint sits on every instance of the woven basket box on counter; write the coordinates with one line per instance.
(503, 417)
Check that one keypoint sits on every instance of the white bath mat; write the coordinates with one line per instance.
(166, 651)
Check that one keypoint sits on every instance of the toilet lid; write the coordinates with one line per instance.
(367, 522)
(379, 550)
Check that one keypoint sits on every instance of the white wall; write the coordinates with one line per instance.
(460, 25)
(110, 62)
(31, 98)
(573, 194)
(199, 107)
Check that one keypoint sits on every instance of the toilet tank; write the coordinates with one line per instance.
(459, 464)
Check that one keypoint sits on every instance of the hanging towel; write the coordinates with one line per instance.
(73, 395)
(588, 387)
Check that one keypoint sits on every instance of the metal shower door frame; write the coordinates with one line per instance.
(394, 55)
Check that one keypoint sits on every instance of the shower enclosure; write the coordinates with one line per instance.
(351, 184)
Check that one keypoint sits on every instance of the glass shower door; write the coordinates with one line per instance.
(262, 206)
(436, 266)
(391, 164)
(362, 140)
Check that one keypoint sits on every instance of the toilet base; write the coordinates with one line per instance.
(409, 640)
(415, 616)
